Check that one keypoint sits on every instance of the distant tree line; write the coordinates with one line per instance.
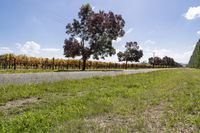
(195, 58)
(163, 62)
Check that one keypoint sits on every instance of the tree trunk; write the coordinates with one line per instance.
(79, 64)
(53, 63)
(126, 65)
(15, 64)
(153, 62)
(84, 64)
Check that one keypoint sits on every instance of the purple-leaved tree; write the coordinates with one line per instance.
(92, 34)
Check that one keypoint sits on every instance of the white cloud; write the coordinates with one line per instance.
(193, 13)
(149, 42)
(119, 39)
(30, 47)
(50, 50)
(188, 53)
(149, 48)
(129, 30)
(160, 52)
(182, 57)
(18, 45)
(93, 7)
(198, 32)
(5, 50)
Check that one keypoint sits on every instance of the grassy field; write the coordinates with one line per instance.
(162, 101)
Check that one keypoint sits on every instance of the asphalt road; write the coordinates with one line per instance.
(26, 78)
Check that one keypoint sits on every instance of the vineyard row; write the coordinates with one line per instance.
(11, 61)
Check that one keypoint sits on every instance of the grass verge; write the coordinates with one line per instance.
(162, 101)
(9, 71)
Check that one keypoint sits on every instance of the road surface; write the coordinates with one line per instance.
(26, 78)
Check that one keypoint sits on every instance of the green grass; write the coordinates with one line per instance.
(167, 100)
(10, 71)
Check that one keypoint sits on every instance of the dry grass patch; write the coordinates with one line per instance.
(19, 102)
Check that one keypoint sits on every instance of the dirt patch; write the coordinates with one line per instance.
(152, 117)
(106, 121)
(155, 122)
(184, 128)
(111, 123)
(20, 102)
(148, 121)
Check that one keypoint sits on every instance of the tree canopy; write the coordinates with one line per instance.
(132, 53)
(165, 62)
(92, 34)
(155, 61)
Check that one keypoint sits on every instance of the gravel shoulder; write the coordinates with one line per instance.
(26, 78)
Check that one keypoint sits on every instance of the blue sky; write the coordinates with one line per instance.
(37, 27)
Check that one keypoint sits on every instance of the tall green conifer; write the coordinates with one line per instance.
(195, 58)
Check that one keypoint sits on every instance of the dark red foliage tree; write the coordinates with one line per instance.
(167, 61)
(95, 32)
(155, 61)
(132, 53)
(164, 62)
